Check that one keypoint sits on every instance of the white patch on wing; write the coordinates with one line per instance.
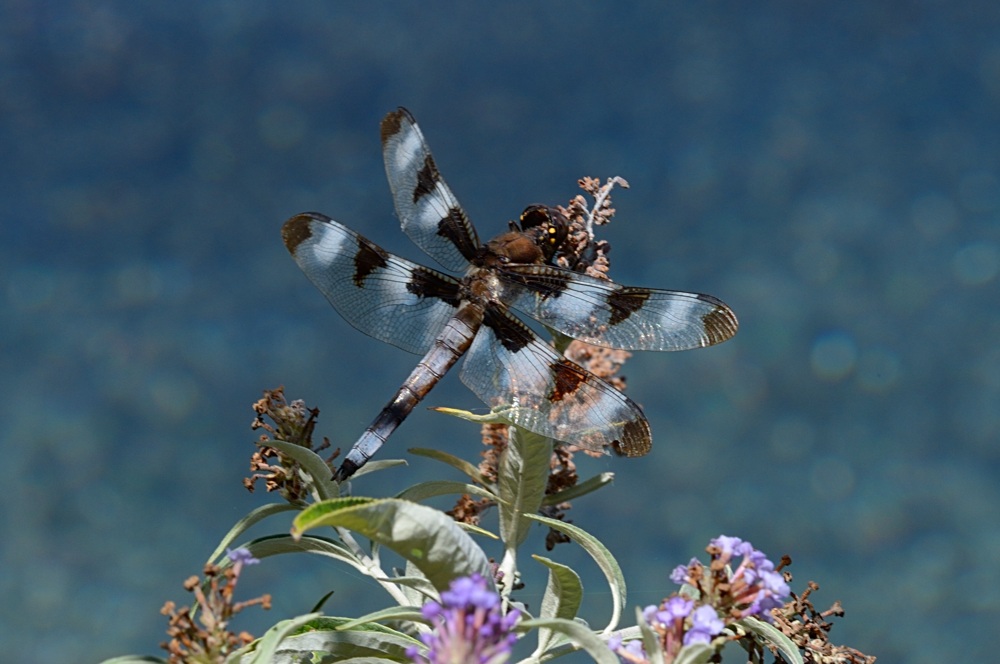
(573, 303)
(409, 148)
(677, 312)
(326, 243)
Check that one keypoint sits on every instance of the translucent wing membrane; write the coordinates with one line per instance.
(532, 386)
(384, 296)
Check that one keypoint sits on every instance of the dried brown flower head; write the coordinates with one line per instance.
(202, 634)
(809, 629)
(293, 423)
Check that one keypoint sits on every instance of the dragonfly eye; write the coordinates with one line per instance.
(551, 228)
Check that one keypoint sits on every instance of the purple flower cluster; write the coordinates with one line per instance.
(469, 626)
(755, 586)
(752, 589)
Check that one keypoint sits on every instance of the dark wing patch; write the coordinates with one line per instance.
(567, 378)
(625, 302)
(384, 296)
(510, 332)
(369, 257)
(428, 283)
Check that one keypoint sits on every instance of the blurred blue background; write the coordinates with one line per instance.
(831, 170)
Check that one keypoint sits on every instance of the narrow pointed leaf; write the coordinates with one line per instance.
(266, 646)
(602, 556)
(521, 479)
(313, 464)
(562, 597)
(273, 545)
(377, 465)
(699, 653)
(370, 642)
(246, 522)
(576, 633)
(425, 490)
(770, 634)
(461, 465)
(581, 489)
(391, 613)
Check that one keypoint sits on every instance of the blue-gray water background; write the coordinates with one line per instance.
(831, 170)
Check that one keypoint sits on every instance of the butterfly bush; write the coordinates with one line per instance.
(469, 626)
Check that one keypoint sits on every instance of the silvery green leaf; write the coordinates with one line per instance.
(602, 556)
(461, 465)
(562, 597)
(320, 473)
(428, 538)
(699, 653)
(377, 465)
(425, 490)
(581, 489)
(578, 634)
(769, 634)
(246, 522)
(411, 613)
(273, 545)
(262, 650)
(521, 480)
(327, 639)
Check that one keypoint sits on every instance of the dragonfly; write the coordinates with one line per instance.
(443, 317)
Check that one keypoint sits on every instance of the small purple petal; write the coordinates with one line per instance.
(468, 625)
(775, 583)
(703, 632)
(680, 573)
(677, 607)
(706, 619)
(727, 544)
(649, 613)
(241, 555)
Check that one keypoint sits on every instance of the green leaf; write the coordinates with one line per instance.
(463, 466)
(377, 465)
(327, 638)
(581, 489)
(273, 545)
(698, 653)
(425, 490)
(411, 613)
(769, 634)
(579, 635)
(521, 479)
(246, 522)
(135, 659)
(263, 649)
(428, 538)
(313, 464)
(563, 594)
(602, 556)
